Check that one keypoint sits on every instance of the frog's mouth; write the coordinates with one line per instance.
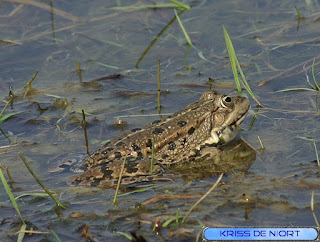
(229, 132)
(240, 120)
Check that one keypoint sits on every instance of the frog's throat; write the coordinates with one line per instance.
(225, 134)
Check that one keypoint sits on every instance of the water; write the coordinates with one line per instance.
(271, 47)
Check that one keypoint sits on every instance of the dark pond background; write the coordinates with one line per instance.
(275, 50)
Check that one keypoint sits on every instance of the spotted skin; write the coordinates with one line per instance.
(213, 119)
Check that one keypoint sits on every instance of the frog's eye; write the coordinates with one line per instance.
(226, 102)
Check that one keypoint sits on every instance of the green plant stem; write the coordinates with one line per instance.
(159, 87)
(39, 181)
(22, 233)
(183, 29)
(235, 65)
(316, 150)
(152, 157)
(11, 197)
(232, 57)
(5, 107)
(119, 181)
(186, 7)
(312, 209)
(313, 75)
(155, 40)
(84, 125)
(31, 80)
(300, 16)
(145, 6)
(79, 72)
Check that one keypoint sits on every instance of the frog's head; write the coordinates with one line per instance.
(230, 112)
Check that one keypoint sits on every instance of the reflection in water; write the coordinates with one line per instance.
(236, 156)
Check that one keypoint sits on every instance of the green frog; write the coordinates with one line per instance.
(181, 138)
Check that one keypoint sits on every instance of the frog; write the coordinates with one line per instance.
(212, 121)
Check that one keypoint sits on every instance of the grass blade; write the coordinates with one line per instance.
(8, 115)
(39, 181)
(129, 237)
(185, 7)
(84, 126)
(170, 220)
(79, 70)
(28, 85)
(297, 89)
(55, 235)
(159, 87)
(5, 107)
(235, 65)
(105, 65)
(312, 209)
(32, 194)
(22, 233)
(300, 16)
(316, 150)
(243, 78)
(314, 89)
(203, 197)
(8, 190)
(313, 75)
(119, 181)
(152, 158)
(233, 58)
(155, 40)
(145, 6)
(183, 29)
(137, 191)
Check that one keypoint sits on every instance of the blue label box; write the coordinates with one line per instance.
(285, 233)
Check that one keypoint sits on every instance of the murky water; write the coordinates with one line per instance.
(275, 50)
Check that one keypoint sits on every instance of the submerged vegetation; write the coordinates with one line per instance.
(314, 87)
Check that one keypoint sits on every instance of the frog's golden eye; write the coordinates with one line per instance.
(226, 102)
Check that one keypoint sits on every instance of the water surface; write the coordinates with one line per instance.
(275, 50)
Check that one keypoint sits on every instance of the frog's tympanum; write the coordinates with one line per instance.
(188, 136)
